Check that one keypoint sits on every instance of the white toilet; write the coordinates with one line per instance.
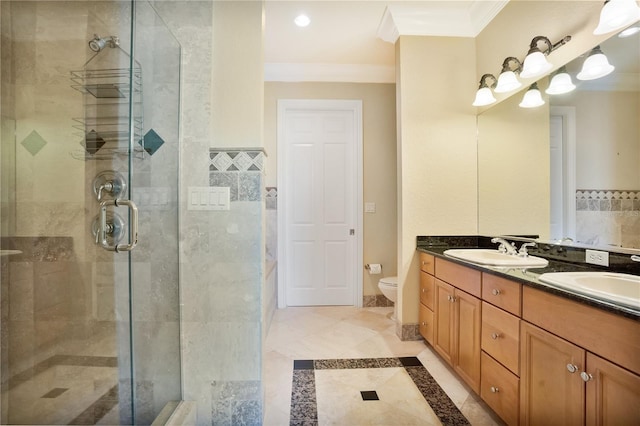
(389, 287)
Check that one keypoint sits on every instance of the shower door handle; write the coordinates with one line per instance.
(102, 227)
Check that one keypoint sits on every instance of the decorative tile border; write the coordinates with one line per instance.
(236, 160)
(271, 198)
(607, 200)
(304, 405)
(408, 331)
(240, 169)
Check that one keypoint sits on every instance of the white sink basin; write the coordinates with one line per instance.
(619, 288)
(495, 258)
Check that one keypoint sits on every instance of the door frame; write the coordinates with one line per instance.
(568, 115)
(355, 106)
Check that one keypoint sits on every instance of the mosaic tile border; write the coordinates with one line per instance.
(236, 160)
(271, 198)
(607, 201)
(375, 301)
(304, 406)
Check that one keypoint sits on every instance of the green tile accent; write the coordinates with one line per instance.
(33, 143)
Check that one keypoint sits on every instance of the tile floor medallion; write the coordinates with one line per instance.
(331, 392)
(325, 366)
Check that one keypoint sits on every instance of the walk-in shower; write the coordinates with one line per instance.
(89, 280)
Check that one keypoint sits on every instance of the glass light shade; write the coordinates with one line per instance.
(629, 32)
(532, 99)
(617, 14)
(595, 66)
(302, 20)
(507, 81)
(484, 97)
(535, 64)
(560, 83)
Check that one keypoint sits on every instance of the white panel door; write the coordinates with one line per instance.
(318, 202)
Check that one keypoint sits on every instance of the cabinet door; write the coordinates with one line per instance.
(443, 339)
(551, 394)
(613, 394)
(467, 330)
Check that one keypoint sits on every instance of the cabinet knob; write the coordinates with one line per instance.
(572, 368)
(586, 376)
(495, 292)
(423, 290)
(494, 389)
(494, 336)
(424, 324)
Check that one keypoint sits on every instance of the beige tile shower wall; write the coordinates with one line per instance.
(50, 184)
(222, 253)
(437, 179)
(379, 140)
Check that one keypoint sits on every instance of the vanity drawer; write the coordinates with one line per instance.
(466, 279)
(427, 286)
(502, 293)
(500, 389)
(501, 336)
(426, 323)
(427, 263)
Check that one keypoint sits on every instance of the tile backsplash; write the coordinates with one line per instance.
(240, 169)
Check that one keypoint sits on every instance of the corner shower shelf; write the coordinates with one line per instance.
(110, 96)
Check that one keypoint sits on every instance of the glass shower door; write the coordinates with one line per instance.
(89, 140)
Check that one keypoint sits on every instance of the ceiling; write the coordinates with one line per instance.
(353, 40)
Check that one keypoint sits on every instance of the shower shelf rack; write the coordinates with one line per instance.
(106, 128)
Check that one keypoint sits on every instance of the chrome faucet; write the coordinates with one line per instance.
(505, 246)
(523, 249)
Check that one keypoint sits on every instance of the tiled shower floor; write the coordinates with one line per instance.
(346, 366)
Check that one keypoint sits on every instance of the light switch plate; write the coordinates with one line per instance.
(369, 207)
(209, 198)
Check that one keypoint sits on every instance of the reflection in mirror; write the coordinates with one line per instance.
(570, 168)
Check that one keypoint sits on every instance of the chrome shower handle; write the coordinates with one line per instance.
(103, 227)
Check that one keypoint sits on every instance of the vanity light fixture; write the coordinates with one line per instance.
(507, 80)
(595, 66)
(617, 14)
(560, 83)
(484, 95)
(629, 32)
(533, 97)
(536, 64)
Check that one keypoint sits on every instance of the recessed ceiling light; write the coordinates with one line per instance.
(629, 32)
(302, 20)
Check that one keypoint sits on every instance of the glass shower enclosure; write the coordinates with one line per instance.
(89, 154)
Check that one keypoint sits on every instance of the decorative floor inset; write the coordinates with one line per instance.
(304, 398)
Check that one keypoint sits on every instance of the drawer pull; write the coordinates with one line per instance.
(494, 389)
(496, 292)
(494, 336)
(586, 376)
(451, 299)
(572, 368)
(423, 290)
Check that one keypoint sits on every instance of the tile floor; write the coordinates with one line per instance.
(339, 335)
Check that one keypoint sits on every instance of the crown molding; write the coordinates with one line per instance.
(449, 19)
(315, 72)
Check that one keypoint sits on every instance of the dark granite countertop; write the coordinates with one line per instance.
(561, 259)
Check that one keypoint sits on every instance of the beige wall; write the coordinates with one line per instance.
(513, 172)
(237, 74)
(379, 135)
(607, 139)
(436, 150)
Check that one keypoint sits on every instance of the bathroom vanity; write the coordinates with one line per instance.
(534, 353)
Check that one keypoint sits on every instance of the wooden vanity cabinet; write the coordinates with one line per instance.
(457, 319)
(427, 297)
(563, 381)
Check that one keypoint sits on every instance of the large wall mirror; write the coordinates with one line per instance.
(571, 168)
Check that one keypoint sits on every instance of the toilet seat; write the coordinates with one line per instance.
(389, 281)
